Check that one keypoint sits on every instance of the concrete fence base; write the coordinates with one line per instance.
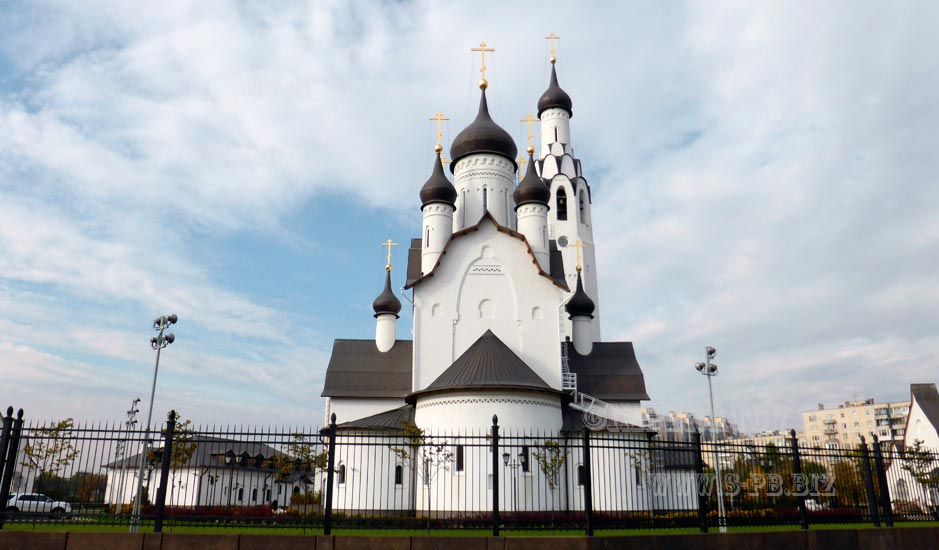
(847, 539)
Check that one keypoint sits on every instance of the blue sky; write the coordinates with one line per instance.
(763, 177)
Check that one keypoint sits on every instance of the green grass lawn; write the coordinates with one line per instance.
(242, 530)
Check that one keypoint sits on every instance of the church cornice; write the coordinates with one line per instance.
(502, 229)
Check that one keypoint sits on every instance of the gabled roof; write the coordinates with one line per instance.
(485, 364)
(414, 273)
(610, 372)
(210, 452)
(357, 369)
(395, 419)
(927, 397)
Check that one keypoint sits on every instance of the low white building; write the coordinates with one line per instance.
(219, 472)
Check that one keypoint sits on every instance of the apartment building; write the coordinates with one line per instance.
(679, 426)
(845, 424)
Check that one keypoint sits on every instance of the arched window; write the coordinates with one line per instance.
(459, 458)
(485, 199)
(341, 474)
(561, 204)
(903, 492)
(582, 200)
(399, 475)
(426, 236)
(580, 474)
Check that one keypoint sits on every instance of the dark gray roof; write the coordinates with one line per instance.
(532, 188)
(415, 276)
(395, 419)
(557, 263)
(610, 372)
(387, 302)
(580, 304)
(438, 188)
(554, 96)
(357, 369)
(483, 135)
(927, 397)
(487, 363)
(210, 452)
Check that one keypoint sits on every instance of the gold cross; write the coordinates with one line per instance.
(444, 160)
(521, 164)
(578, 245)
(552, 37)
(389, 244)
(439, 118)
(482, 49)
(530, 120)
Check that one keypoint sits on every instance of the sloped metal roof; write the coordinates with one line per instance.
(488, 362)
(927, 397)
(357, 369)
(610, 372)
(395, 419)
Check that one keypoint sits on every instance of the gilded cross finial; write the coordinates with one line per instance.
(482, 49)
(522, 161)
(530, 120)
(578, 245)
(439, 118)
(389, 244)
(552, 37)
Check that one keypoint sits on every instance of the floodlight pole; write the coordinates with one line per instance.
(710, 370)
(158, 343)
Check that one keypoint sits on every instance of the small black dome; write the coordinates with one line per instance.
(531, 188)
(483, 136)
(554, 96)
(438, 188)
(387, 302)
(580, 303)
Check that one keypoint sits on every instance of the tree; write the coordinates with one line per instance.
(48, 451)
(425, 456)
(550, 458)
(923, 465)
(302, 459)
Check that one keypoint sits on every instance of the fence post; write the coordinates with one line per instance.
(799, 483)
(588, 486)
(330, 473)
(495, 476)
(699, 478)
(165, 465)
(882, 479)
(9, 445)
(869, 482)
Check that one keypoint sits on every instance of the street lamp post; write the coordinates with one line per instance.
(158, 342)
(514, 465)
(709, 369)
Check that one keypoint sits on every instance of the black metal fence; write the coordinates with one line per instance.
(492, 481)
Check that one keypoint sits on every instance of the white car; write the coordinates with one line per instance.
(35, 503)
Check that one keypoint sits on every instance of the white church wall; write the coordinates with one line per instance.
(484, 182)
(920, 428)
(486, 282)
(473, 411)
(365, 474)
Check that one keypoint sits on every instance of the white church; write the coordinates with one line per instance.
(503, 283)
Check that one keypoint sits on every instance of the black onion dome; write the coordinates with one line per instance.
(438, 188)
(580, 303)
(554, 96)
(483, 136)
(532, 187)
(387, 302)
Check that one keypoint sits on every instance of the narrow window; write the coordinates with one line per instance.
(399, 474)
(241, 494)
(459, 458)
(427, 472)
(555, 134)
(267, 495)
(523, 458)
(580, 474)
(582, 202)
(562, 204)
(342, 474)
(254, 494)
(426, 237)
(485, 199)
